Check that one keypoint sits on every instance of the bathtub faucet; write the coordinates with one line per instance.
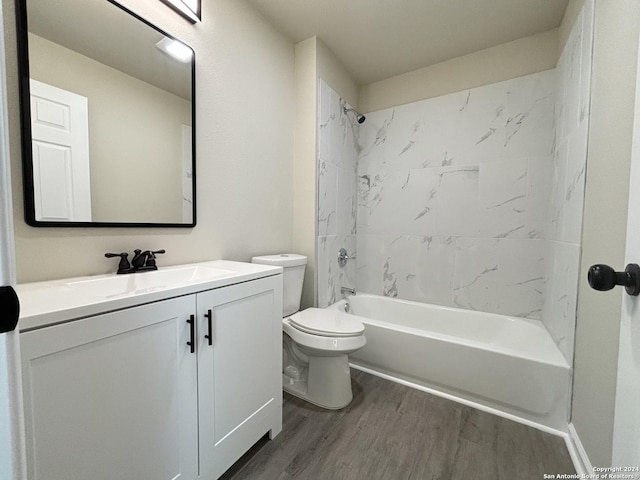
(347, 291)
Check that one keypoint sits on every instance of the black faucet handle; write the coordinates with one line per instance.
(151, 259)
(124, 266)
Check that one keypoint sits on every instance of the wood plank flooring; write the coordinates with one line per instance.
(393, 432)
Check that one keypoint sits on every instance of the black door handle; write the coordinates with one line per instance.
(9, 309)
(603, 277)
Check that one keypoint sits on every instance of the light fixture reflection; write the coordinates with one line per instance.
(188, 8)
(175, 49)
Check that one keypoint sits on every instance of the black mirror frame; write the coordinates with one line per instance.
(26, 139)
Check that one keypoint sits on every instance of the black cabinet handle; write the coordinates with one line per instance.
(192, 334)
(209, 336)
(603, 278)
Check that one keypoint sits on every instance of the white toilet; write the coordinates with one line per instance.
(316, 342)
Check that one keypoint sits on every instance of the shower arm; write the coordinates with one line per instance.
(359, 117)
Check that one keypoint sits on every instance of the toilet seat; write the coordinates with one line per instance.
(313, 344)
(327, 323)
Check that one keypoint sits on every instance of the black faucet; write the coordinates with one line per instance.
(141, 261)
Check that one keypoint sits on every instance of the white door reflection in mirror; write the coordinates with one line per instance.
(187, 174)
(60, 141)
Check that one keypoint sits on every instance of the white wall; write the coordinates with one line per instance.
(245, 119)
(502, 62)
(336, 75)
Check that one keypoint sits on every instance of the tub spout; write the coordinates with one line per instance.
(347, 291)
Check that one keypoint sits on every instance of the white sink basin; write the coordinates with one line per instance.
(133, 283)
(47, 303)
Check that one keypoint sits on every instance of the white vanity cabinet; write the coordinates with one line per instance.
(240, 391)
(113, 396)
(123, 394)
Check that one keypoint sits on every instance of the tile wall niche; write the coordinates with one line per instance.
(337, 161)
(472, 199)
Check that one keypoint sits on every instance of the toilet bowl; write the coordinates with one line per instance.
(316, 342)
(315, 360)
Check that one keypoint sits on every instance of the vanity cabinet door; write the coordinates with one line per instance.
(239, 374)
(113, 396)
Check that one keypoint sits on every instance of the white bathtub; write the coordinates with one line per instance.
(506, 365)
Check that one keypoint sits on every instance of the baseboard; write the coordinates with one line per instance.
(578, 453)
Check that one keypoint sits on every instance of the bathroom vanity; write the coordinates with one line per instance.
(172, 374)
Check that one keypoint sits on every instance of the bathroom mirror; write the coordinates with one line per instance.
(107, 117)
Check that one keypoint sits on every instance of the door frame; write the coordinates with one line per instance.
(12, 443)
(626, 436)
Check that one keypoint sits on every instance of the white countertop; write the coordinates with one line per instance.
(55, 301)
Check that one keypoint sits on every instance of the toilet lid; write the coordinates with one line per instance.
(327, 323)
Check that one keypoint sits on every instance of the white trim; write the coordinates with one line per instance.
(12, 440)
(469, 403)
(625, 449)
(578, 454)
(7, 255)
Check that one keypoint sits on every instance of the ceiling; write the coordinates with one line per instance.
(377, 39)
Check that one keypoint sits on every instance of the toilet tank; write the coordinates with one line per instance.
(293, 277)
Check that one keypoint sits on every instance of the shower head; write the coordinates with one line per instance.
(361, 118)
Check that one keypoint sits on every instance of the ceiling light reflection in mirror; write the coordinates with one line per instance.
(190, 9)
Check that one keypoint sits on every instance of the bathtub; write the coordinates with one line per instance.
(506, 365)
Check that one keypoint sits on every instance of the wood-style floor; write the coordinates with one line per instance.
(393, 432)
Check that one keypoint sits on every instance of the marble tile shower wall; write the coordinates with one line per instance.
(562, 253)
(337, 161)
(453, 197)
